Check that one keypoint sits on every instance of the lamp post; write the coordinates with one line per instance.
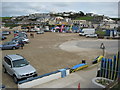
(102, 46)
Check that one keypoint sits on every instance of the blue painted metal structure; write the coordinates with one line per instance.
(110, 68)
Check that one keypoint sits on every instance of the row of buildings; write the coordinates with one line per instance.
(97, 21)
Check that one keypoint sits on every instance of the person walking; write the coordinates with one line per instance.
(32, 35)
(21, 44)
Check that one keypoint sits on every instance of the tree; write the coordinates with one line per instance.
(81, 13)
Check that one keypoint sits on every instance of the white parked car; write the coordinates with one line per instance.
(25, 40)
(91, 35)
(40, 32)
(32, 30)
(18, 67)
(82, 34)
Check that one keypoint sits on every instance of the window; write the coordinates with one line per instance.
(11, 43)
(20, 63)
(6, 43)
(7, 61)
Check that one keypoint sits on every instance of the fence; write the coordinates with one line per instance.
(110, 68)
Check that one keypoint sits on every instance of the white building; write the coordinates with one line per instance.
(82, 23)
(109, 21)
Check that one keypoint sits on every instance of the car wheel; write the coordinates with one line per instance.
(4, 70)
(15, 79)
(13, 48)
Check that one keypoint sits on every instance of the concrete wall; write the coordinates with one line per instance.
(67, 72)
(41, 80)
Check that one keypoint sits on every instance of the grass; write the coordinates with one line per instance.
(84, 18)
(115, 18)
(11, 25)
(5, 18)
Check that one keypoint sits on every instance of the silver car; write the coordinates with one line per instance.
(25, 40)
(18, 67)
(91, 35)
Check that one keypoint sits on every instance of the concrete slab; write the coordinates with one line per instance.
(84, 77)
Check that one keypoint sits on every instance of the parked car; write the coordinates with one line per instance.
(6, 32)
(25, 40)
(76, 31)
(47, 31)
(33, 30)
(16, 31)
(10, 45)
(18, 67)
(22, 34)
(2, 87)
(91, 35)
(82, 34)
(3, 37)
(40, 32)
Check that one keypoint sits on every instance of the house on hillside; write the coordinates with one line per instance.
(108, 21)
(82, 23)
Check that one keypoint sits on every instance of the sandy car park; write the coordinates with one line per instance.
(52, 51)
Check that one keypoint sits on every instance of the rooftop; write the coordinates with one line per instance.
(15, 57)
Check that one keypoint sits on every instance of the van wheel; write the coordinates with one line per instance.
(4, 70)
(15, 79)
(13, 48)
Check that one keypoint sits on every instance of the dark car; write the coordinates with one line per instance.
(6, 32)
(22, 34)
(10, 45)
(2, 87)
(3, 37)
(16, 31)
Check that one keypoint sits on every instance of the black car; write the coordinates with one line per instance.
(3, 37)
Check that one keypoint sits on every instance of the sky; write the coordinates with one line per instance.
(60, 0)
(18, 8)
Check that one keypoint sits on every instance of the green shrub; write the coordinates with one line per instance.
(100, 32)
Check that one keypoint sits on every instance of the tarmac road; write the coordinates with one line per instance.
(111, 46)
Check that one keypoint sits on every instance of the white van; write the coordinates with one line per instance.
(87, 31)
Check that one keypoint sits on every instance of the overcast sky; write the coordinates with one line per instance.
(24, 8)
(60, 0)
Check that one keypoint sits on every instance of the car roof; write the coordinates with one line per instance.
(9, 42)
(14, 57)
